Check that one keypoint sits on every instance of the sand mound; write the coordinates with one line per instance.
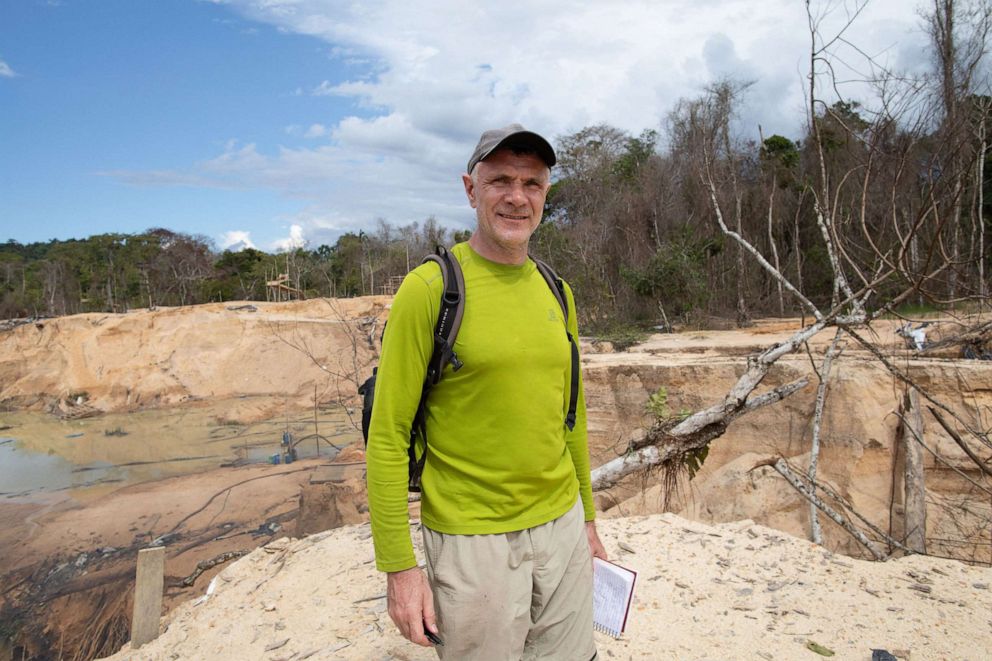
(731, 591)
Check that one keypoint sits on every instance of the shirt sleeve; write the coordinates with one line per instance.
(577, 440)
(407, 345)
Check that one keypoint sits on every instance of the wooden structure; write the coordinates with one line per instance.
(394, 282)
(279, 291)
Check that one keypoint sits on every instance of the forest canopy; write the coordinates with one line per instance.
(628, 224)
(159, 267)
(655, 228)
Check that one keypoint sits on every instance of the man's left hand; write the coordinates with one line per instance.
(596, 547)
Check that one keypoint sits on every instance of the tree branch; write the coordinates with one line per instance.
(784, 470)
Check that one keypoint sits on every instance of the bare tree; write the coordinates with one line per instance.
(881, 251)
(959, 31)
(348, 367)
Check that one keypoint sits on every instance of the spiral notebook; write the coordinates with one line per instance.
(612, 592)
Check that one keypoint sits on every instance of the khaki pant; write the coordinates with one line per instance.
(518, 595)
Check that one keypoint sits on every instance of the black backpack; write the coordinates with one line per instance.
(449, 320)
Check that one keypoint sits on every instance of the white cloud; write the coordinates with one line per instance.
(312, 131)
(236, 240)
(324, 89)
(291, 242)
(6, 71)
(427, 92)
(316, 131)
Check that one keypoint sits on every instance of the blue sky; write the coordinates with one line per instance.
(142, 85)
(274, 122)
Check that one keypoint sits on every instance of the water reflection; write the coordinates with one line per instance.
(40, 454)
(22, 472)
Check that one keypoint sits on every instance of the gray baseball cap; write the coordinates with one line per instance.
(511, 136)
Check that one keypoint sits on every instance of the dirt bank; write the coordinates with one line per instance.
(166, 356)
(67, 567)
(859, 434)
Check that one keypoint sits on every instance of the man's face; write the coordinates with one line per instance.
(507, 192)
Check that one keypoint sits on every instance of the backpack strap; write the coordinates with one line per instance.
(557, 287)
(367, 391)
(449, 320)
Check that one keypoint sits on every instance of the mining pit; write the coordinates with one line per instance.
(160, 426)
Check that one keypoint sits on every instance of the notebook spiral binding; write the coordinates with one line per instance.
(608, 631)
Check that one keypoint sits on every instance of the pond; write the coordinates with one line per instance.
(41, 455)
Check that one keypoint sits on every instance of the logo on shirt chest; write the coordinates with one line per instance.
(552, 315)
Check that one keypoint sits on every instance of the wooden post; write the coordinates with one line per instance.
(148, 584)
(897, 488)
(914, 500)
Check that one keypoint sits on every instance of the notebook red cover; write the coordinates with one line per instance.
(613, 592)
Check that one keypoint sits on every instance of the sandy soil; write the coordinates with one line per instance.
(732, 591)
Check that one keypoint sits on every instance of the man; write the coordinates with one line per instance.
(506, 485)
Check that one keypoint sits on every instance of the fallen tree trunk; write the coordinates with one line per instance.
(664, 443)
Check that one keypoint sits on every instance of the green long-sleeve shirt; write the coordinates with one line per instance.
(500, 457)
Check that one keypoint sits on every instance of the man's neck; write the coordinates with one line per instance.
(496, 253)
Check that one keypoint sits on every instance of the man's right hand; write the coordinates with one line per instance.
(411, 604)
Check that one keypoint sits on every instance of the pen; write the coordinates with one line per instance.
(431, 636)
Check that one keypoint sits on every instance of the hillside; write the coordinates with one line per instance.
(167, 356)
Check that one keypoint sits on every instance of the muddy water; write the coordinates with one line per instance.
(41, 456)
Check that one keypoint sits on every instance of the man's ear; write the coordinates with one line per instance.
(469, 189)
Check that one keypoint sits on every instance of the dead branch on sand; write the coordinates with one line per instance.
(204, 565)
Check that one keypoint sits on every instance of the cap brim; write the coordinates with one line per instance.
(522, 139)
(541, 146)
